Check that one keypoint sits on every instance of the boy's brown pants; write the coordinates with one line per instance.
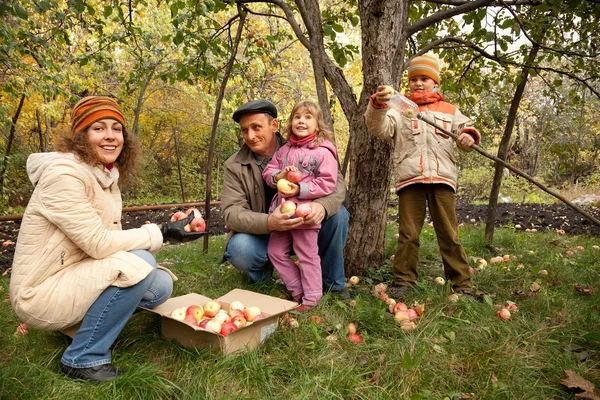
(412, 201)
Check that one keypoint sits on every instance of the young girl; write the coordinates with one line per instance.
(425, 173)
(310, 152)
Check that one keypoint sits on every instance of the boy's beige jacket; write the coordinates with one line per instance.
(71, 246)
(421, 153)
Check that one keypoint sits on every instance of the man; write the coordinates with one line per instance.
(246, 199)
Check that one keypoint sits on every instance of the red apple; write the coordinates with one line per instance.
(503, 314)
(227, 328)
(177, 216)
(303, 210)
(198, 225)
(202, 324)
(294, 176)
(354, 280)
(355, 338)
(260, 43)
(288, 206)
(235, 313)
(196, 311)
(211, 308)
(412, 314)
(239, 321)
(222, 317)
(401, 316)
(197, 213)
(439, 281)
(399, 307)
(250, 35)
(190, 319)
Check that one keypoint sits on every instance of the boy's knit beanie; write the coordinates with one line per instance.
(424, 65)
(94, 108)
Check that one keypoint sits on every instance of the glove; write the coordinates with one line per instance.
(174, 232)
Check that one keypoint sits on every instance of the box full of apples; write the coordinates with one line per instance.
(236, 321)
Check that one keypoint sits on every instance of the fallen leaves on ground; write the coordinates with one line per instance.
(576, 383)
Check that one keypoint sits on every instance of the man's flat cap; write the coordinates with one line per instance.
(255, 106)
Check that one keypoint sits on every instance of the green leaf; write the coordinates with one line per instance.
(178, 39)
(488, 300)
(592, 336)
(407, 360)
(107, 11)
(20, 12)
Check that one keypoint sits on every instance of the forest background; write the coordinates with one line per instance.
(525, 72)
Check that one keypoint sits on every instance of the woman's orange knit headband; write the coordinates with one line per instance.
(94, 108)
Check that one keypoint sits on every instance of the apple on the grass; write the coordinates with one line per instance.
(250, 313)
(211, 308)
(354, 280)
(355, 338)
(196, 311)
(439, 281)
(399, 306)
(179, 313)
(294, 176)
(303, 210)
(401, 316)
(177, 216)
(288, 206)
(283, 185)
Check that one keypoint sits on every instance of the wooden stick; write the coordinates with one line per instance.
(517, 171)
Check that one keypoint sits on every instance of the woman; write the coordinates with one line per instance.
(73, 262)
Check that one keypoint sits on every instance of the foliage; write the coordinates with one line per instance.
(459, 350)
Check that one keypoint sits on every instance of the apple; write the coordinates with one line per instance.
(392, 257)
(236, 305)
(250, 35)
(453, 298)
(503, 314)
(401, 316)
(190, 319)
(419, 308)
(293, 323)
(352, 303)
(213, 326)
(288, 206)
(580, 248)
(506, 257)
(409, 113)
(399, 306)
(196, 311)
(250, 313)
(239, 321)
(22, 329)
(196, 212)
(389, 90)
(283, 185)
(179, 313)
(412, 314)
(543, 272)
(517, 226)
(198, 225)
(480, 264)
(390, 302)
(355, 338)
(227, 328)
(378, 289)
(569, 252)
(439, 281)
(202, 324)
(177, 216)
(260, 43)
(294, 176)
(408, 326)
(352, 328)
(354, 280)
(303, 210)
(222, 317)
(211, 308)
(235, 313)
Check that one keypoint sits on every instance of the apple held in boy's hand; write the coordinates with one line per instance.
(294, 176)
(389, 90)
(283, 185)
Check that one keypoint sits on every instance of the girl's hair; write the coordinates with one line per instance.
(323, 131)
(79, 145)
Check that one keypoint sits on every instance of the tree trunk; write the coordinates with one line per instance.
(383, 40)
(9, 141)
(503, 148)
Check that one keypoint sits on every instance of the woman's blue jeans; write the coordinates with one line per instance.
(110, 312)
(248, 252)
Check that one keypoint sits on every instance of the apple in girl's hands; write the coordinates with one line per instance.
(294, 176)
(283, 185)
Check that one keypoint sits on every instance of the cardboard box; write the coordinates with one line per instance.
(249, 336)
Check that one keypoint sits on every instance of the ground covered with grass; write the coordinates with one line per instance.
(459, 350)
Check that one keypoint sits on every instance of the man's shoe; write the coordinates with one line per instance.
(398, 292)
(341, 294)
(466, 294)
(99, 373)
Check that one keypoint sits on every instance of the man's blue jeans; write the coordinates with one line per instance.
(110, 312)
(248, 252)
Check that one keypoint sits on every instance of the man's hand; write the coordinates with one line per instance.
(279, 221)
(317, 214)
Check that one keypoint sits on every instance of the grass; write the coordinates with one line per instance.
(459, 350)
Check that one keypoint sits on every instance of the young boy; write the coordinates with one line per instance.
(424, 173)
